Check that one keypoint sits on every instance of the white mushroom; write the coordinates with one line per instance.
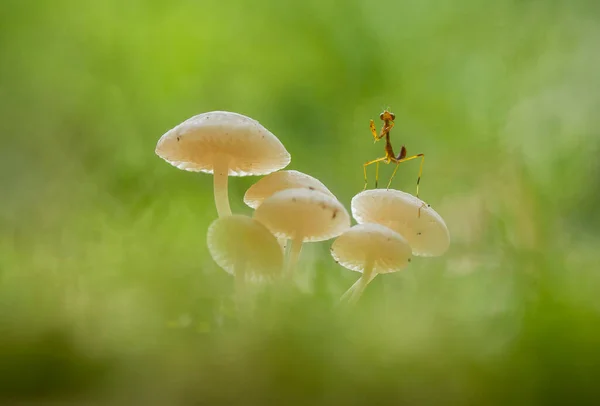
(302, 215)
(370, 249)
(423, 228)
(224, 144)
(281, 180)
(278, 181)
(244, 247)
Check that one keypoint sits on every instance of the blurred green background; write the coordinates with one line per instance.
(108, 294)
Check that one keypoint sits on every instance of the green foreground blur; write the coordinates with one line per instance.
(108, 294)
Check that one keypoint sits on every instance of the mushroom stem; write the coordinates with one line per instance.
(283, 242)
(239, 274)
(240, 279)
(221, 175)
(362, 283)
(351, 289)
(293, 254)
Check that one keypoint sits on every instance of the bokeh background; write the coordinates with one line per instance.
(108, 294)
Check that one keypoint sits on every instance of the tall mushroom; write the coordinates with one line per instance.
(370, 249)
(302, 215)
(224, 144)
(423, 227)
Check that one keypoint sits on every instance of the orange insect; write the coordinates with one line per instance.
(388, 123)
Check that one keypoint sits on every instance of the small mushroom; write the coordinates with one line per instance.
(370, 249)
(281, 180)
(423, 228)
(224, 144)
(244, 247)
(278, 181)
(302, 215)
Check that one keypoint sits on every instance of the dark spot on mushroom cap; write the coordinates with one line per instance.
(177, 138)
(389, 239)
(419, 233)
(311, 188)
(409, 259)
(334, 215)
(323, 206)
(294, 199)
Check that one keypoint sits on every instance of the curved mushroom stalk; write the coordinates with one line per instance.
(371, 249)
(293, 255)
(355, 291)
(221, 177)
(364, 280)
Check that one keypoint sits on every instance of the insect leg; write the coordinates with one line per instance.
(399, 161)
(373, 131)
(369, 163)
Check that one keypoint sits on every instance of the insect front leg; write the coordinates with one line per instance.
(373, 131)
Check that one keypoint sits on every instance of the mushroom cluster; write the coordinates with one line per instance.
(392, 226)
(292, 208)
(289, 205)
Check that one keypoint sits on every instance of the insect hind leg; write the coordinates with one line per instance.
(410, 158)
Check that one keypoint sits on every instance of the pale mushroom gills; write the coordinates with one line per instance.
(223, 144)
(423, 227)
(244, 247)
(371, 249)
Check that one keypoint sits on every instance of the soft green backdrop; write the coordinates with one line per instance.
(107, 291)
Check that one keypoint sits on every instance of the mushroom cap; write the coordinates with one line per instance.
(427, 235)
(388, 250)
(249, 148)
(281, 180)
(303, 213)
(241, 240)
